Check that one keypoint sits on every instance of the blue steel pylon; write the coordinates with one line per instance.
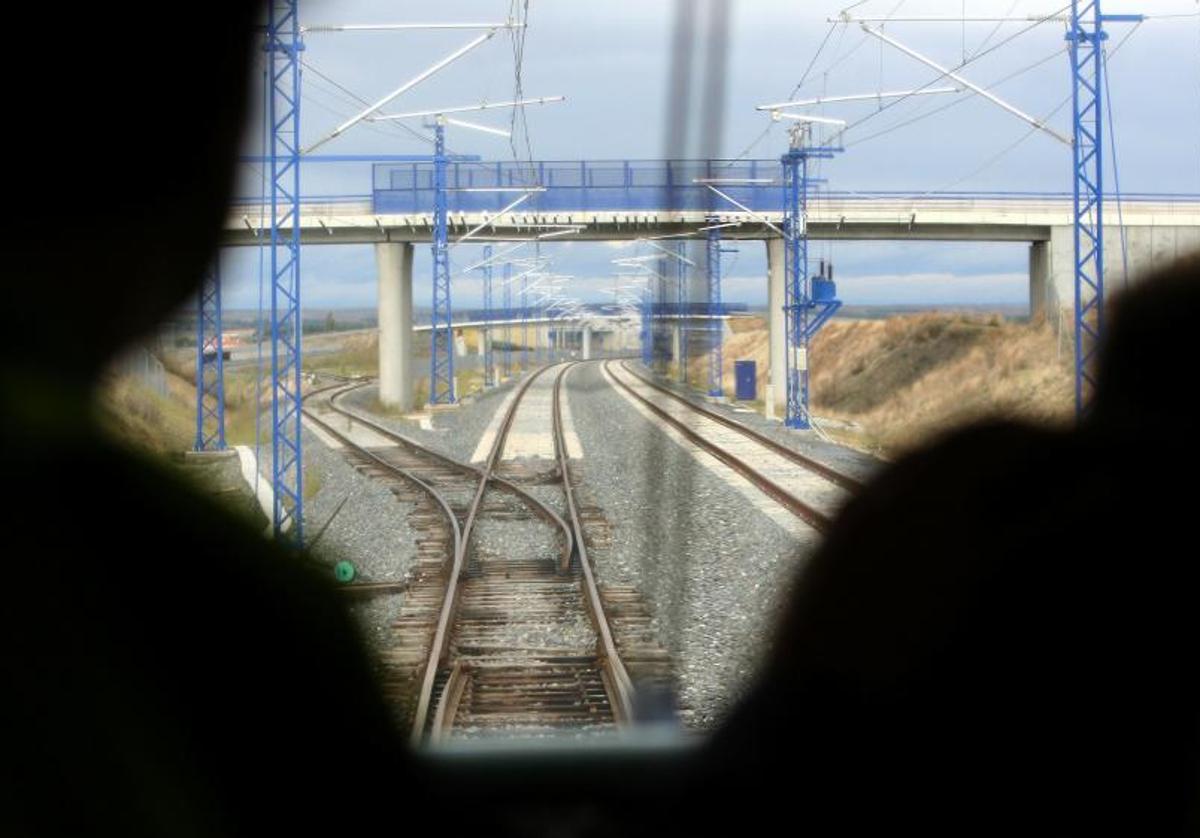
(283, 105)
(210, 365)
(1086, 37)
(681, 299)
(441, 335)
(485, 334)
(508, 313)
(524, 323)
(796, 289)
(661, 343)
(713, 309)
(647, 333)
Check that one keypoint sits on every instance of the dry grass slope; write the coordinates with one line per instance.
(899, 381)
(905, 379)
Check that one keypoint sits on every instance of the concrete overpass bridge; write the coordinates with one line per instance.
(628, 200)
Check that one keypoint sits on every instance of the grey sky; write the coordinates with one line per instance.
(611, 60)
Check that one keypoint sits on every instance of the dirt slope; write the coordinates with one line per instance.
(898, 381)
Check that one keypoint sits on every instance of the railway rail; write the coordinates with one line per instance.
(808, 488)
(512, 641)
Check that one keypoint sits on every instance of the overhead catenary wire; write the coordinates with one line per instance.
(1112, 150)
(960, 66)
(968, 95)
(1025, 136)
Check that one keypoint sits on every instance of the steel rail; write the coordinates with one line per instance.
(439, 500)
(540, 508)
(826, 471)
(616, 676)
(817, 520)
(440, 648)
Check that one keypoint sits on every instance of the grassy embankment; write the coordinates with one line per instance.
(892, 383)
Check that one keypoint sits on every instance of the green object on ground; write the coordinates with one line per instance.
(344, 571)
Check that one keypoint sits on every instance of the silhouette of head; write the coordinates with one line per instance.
(1143, 354)
(115, 204)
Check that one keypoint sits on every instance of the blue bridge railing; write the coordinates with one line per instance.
(582, 186)
(532, 312)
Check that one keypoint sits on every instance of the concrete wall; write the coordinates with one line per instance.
(1147, 249)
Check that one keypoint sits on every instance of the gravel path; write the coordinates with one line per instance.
(714, 569)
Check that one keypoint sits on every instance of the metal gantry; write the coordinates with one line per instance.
(508, 330)
(210, 365)
(797, 301)
(441, 338)
(713, 309)
(283, 106)
(485, 334)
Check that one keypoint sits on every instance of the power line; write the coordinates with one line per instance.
(945, 107)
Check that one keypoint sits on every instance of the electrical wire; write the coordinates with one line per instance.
(1029, 133)
(943, 75)
(1112, 144)
(925, 114)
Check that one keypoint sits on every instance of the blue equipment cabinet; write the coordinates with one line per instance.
(745, 374)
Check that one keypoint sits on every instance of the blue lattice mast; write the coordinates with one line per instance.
(1086, 37)
(508, 313)
(485, 334)
(210, 365)
(524, 321)
(713, 309)
(797, 300)
(663, 340)
(647, 333)
(441, 336)
(283, 104)
(681, 302)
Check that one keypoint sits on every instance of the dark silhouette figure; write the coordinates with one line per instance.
(998, 637)
(166, 671)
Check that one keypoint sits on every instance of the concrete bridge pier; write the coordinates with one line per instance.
(776, 328)
(677, 347)
(586, 343)
(394, 264)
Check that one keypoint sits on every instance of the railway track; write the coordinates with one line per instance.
(497, 634)
(811, 490)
